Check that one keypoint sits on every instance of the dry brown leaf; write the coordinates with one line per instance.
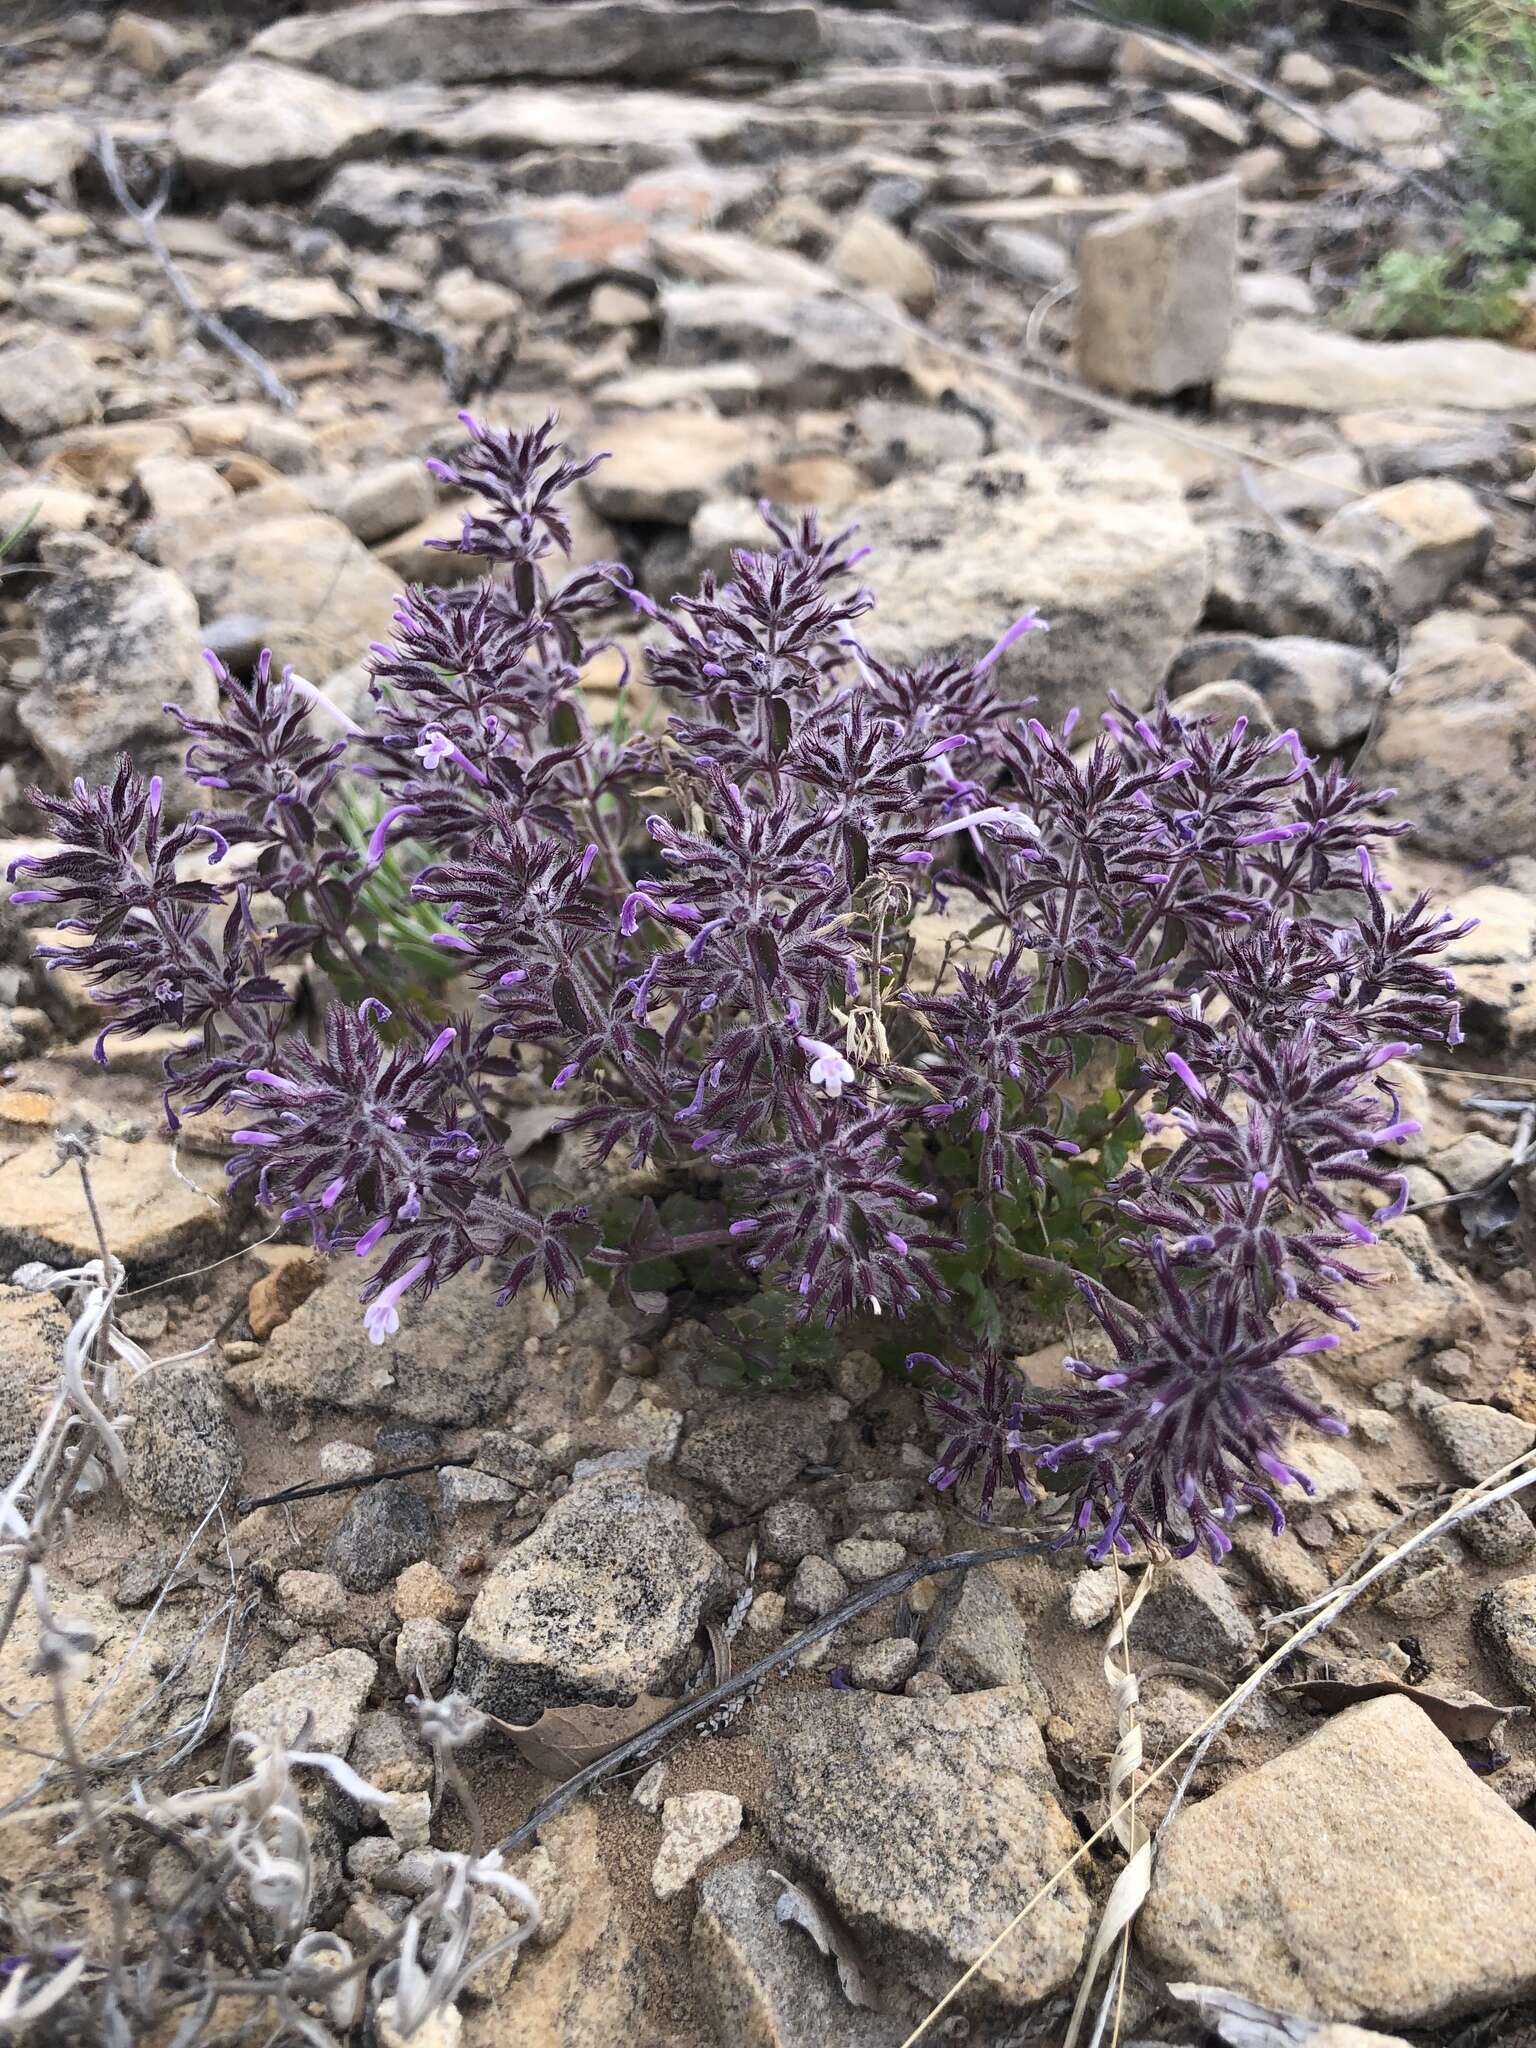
(804, 1909)
(564, 1738)
(1459, 1720)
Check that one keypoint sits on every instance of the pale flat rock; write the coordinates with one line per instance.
(1351, 1879)
(1103, 547)
(318, 595)
(928, 1824)
(716, 256)
(158, 1225)
(662, 467)
(695, 1826)
(460, 42)
(260, 128)
(809, 350)
(41, 153)
(1300, 368)
(51, 508)
(601, 1603)
(329, 1694)
(729, 386)
(1424, 1304)
(1454, 743)
(516, 119)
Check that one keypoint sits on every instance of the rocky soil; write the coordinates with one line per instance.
(1045, 306)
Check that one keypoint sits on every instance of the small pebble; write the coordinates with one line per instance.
(884, 1666)
(928, 1685)
(817, 1587)
(862, 1561)
(647, 1792)
(408, 1817)
(765, 1617)
(423, 1593)
(695, 1826)
(460, 1490)
(424, 1656)
(346, 1461)
(312, 1598)
(1092, 1599)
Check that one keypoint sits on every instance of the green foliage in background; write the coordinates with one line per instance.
(1467, 287)
(1487, 80)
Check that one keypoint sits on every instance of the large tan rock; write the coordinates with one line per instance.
(260, 128)
(875, 256)
(455, 42)
(928, 1824)
(1366, 1874)
(1102, 546)
(1422, 1304)
(661, 467)
(581, 1979)
(1454, 744)
(316, 594)
(156, 1223)
(1157, 292)
(1301, 368)
(1424, 536)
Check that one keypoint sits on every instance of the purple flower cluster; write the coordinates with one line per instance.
(703, 940)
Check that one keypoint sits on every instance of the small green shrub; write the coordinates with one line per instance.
(1467, 288)
(1487, 78)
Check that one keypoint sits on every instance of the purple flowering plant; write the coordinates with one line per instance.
(703, 938)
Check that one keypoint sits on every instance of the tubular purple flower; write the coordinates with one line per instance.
(1027, 622)
(378, 839)
(1186, 1074)
(371, 1236)
(381, 1317)
(439, 1046)
(1393, 1134)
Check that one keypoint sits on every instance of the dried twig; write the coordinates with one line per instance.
(145, 215)
(350, 1485)
(692, 1713)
